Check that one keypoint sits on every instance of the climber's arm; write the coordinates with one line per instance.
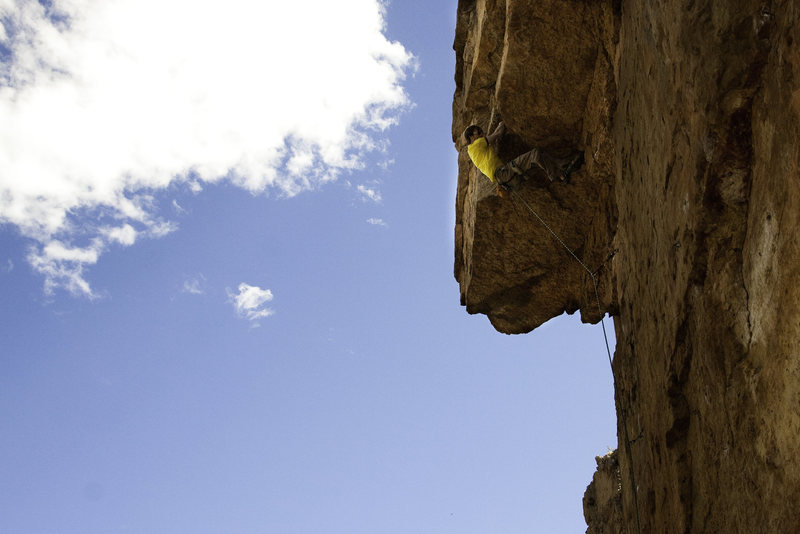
(497, 133)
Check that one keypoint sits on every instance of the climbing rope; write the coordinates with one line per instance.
(591, 274)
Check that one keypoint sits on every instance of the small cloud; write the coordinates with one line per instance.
(249, 302)
(177, 207)
(124, 235)
(195, 285)
(58, 251)
(376, 222)
(370, 194)
(385, 164)
(63, 267)
(161, 228)
(9, 266)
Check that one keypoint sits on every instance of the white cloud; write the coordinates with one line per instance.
(370, 194)
(177, 207)
(124, 235)
(249, 302)
(376, 222)
(105, 103)
(195, 285)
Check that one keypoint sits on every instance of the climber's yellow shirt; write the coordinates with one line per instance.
(484, 157)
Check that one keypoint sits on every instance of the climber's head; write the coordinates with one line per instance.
(472, 132)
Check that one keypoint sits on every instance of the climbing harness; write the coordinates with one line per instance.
(516, 195)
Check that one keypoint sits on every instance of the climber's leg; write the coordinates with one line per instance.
(508, 177)
(554, 168)
(538, 158)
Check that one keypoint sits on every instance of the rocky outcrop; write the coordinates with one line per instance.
(602, 502)
(687, 112)
(508, 268)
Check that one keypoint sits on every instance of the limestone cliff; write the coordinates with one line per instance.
(688, 114)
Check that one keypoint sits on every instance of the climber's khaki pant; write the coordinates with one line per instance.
(533, 159)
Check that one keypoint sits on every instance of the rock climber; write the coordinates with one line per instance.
(508, 175)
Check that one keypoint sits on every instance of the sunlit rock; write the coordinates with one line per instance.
(687, 112)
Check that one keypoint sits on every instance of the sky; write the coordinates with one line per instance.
(228, 304)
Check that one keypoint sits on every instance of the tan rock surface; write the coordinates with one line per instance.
(688, 112)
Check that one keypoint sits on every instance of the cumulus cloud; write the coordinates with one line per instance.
(376, 221)
(105, 103)
(249, 302)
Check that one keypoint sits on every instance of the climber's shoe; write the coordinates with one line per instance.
(571, 167)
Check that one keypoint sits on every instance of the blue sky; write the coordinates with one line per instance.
(342, 389)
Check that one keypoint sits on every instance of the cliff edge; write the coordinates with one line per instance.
(687, 209)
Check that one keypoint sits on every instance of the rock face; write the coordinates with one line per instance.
(688, 112)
